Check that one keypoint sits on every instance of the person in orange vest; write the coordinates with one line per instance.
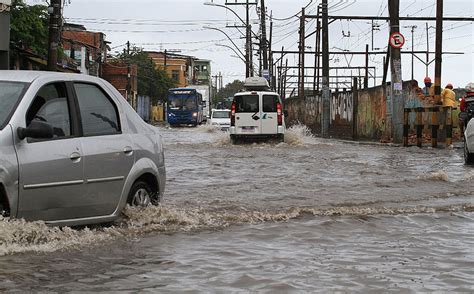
(448, 96)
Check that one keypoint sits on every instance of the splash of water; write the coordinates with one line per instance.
(298, 135)
(17, 236)
(436, 176)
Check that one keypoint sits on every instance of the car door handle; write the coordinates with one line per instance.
(75, 157)
(128, 150)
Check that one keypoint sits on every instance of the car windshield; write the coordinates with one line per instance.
(221, 114)
(10, 94)
(185, 101)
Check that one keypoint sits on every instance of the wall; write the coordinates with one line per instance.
(361, 116)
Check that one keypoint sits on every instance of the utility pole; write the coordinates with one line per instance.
(412, 51)
(263, 38)
(129, 77)
(396, 97)
(427, 50)
(439, 50)
(248, 42)
(4, 34)
(54, 34)
(366, 78)
(316, 58)
(301, 47)
(326, 92)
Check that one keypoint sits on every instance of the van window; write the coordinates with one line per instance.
(246, 103)
(270, 103)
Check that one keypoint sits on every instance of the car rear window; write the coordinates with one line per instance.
(270, 103)
(246, 103)
(221, 114)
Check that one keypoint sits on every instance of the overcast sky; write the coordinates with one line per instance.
(178, 24)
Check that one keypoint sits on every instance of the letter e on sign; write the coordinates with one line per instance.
(397, 40)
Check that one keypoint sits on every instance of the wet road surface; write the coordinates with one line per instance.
(305, 215)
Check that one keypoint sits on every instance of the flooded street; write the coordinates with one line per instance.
(307, 215)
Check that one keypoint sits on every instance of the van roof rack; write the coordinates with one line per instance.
(256, 84)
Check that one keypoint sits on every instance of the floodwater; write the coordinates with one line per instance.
(307, 215)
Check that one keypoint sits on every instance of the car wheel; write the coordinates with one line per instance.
(468, 156)
(140, 194)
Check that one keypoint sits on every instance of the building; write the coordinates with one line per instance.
(179, 67)
(116, 73)
(84, 49)
(202, 72)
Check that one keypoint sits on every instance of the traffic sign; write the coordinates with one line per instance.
(397, 40)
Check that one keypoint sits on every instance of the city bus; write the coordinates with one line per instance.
(185, 107)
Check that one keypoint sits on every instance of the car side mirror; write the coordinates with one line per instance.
(36, 130)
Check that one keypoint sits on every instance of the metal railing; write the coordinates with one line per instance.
(445, 124)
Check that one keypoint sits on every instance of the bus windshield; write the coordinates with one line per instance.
(182, 100)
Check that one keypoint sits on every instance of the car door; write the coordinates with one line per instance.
(269, 117)
(108, 153)
(51, 171)
(247, 114)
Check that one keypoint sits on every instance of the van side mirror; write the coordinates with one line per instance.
(36, 130)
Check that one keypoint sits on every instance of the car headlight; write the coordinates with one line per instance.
(195, 114)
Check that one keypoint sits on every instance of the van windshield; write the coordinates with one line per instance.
(246, 103)
(10, 94)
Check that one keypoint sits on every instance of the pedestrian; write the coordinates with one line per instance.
(448, 96)
(428, 91)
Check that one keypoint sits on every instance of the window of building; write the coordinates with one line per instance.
(175, 75)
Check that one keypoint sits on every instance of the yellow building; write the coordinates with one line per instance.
(177, 66)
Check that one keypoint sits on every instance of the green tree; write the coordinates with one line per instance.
(29, 26)
(152, 82)
(229, 90)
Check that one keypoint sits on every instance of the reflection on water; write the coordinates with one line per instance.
(420, 252)
(305, 215)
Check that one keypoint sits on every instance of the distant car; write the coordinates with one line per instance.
(73, 151)
(257, 113)
(220, 118)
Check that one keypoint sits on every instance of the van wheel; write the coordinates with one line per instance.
(281, 138)
(468, 156)
(140, 194)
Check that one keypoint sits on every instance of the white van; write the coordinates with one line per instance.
(256, 113)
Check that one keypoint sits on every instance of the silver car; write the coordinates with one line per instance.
(73, 151)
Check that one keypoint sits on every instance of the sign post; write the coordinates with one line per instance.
(397, 40)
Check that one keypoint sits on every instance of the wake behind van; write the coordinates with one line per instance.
(256, 113)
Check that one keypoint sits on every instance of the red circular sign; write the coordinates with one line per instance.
(397, 40)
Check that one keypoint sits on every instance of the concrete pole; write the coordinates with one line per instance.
(54, 34)
(439, 50)
(263, 38)
(396, 102)
(301, 48)
(326, 91)
(4, 34)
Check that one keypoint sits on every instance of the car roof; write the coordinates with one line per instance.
(28, 76)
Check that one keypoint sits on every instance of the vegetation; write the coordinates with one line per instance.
(29, 26)
(152, 82)
(228, 91)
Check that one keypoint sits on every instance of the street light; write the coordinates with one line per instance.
(237, 53)
(248, 45)
(216, 29)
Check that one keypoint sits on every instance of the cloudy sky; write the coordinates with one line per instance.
(180, 25)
